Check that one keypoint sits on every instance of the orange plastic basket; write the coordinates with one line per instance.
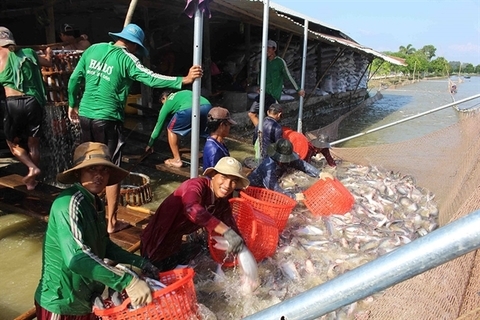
(327, 197)
(257, 229)
(299, 141)
(274, 204)
(177, 301)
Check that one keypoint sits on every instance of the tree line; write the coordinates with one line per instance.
(422, 62)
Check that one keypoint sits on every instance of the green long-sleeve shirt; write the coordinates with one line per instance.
(177, 101)
(108, 71)
(277, 72)
(76, 242)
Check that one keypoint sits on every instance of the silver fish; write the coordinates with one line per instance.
(247, 262)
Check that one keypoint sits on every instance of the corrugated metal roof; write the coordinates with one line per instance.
(288, 20)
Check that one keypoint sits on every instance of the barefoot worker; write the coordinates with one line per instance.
(76, 243)
(21, 77)
(177, 107)
(108, 70)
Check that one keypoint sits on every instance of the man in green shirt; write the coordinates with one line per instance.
(107, 71)
(76, 243)
(277, 72)
(177, 107)
(21, 78)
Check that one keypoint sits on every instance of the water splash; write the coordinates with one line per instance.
(60, 137)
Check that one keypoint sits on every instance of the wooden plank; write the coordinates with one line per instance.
(135, 218)
(15, 201)
(183, 171)
(126, 238)
(42, 191)
(187, 153)
(18, 209)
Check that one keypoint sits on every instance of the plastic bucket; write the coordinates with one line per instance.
(177, 301)
(274, 204)
(329, 196)
(300, 143)
(258, 230)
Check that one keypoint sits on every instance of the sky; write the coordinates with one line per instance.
(451, 26)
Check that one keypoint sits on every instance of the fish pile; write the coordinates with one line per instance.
(390, 210)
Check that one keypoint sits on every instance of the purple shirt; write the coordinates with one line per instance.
(190, 207)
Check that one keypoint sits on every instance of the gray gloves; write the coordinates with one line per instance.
(139, 292)
(235, 242)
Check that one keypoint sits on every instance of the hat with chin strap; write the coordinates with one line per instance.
(92, 154)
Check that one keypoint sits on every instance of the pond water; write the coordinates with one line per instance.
(405, 102)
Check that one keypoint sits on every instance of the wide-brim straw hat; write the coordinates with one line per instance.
(230, 167)
(92, 154)
(282, 151)
(132, 33)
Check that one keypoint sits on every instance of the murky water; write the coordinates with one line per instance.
(21, 240)
(21, 237)
(406, 102)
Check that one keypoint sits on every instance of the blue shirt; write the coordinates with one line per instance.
(266, 175)
(272, 131)
(212, 152)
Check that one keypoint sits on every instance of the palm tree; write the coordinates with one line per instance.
(408, 50)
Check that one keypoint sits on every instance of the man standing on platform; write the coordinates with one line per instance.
(108, 70)
(277, 72)
(21, 77)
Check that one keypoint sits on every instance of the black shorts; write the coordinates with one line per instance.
(107, 132)
(22, 117)
(255, 107)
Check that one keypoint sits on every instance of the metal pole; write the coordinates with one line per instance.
(405, 119)
(196, 89)
(263, 76)
(302, 84)
(423, 254)
(131, 11)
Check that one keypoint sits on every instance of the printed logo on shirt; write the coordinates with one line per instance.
(99, 69)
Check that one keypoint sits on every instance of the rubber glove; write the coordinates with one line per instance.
(235, 242)
(325, 175)
(139, 292)
(149, 270)
(299, 196)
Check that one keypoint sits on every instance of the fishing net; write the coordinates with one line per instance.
(446, 163)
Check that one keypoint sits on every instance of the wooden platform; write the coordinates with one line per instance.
(42, 191)
(15, 197)
(187, 153)
(183, 171)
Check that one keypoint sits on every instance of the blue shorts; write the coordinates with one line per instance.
(181, 122)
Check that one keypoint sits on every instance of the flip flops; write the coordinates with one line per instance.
(174, 163)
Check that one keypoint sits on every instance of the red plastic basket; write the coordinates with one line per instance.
(177, 301)
(299, 141)
(274, 204)
(327, 197)
(257, 229)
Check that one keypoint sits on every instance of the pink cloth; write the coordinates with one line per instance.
(202, 6)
